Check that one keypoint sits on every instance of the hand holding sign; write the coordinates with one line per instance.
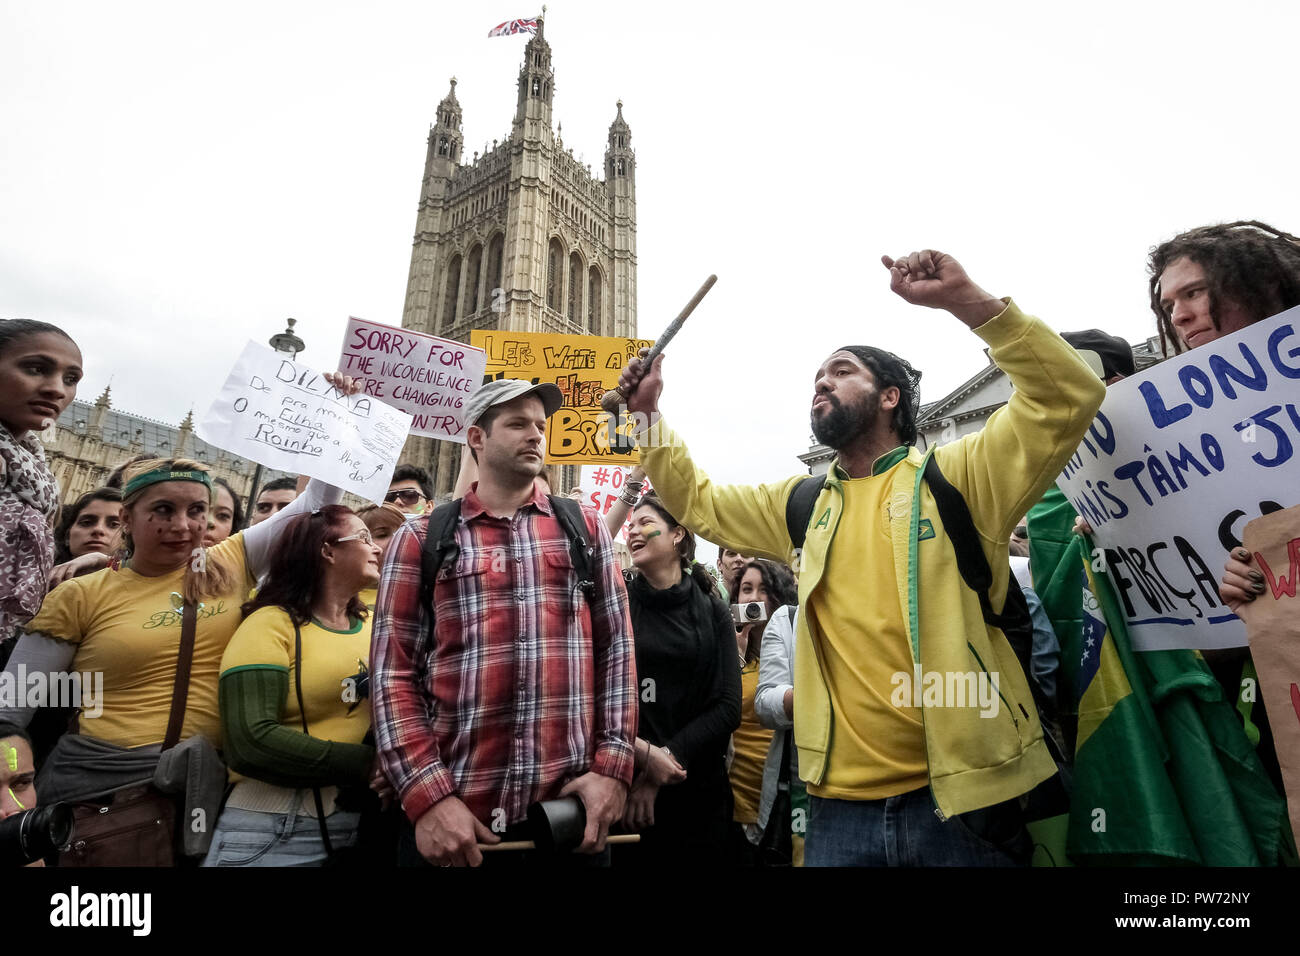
(937, 280)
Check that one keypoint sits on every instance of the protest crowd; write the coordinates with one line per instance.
(479, 682)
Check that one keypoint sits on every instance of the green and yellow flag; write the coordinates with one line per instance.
(1164, 774)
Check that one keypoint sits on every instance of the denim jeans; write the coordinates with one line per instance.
(252, 838)
(904, 831)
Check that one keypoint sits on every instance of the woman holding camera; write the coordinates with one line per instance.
(689, 678)
(769, 586)
(294, 706)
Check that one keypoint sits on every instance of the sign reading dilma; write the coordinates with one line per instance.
(285, 415)
(1179, 459)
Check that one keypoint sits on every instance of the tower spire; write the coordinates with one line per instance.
(446, 139)
(536, 87)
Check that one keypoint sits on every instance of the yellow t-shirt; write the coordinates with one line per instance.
(751, 741)
(125, 626)
(877, 750)
(333, 663)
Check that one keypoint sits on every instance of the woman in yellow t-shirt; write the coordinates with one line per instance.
(120, 628)
(771, 585)
(294, 689)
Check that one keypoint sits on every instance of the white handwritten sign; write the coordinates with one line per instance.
(1177, 461)
(428, 377)
(601, 485)
(285, 415)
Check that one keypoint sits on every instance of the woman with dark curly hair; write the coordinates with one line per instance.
(770, 585)
(686, 664)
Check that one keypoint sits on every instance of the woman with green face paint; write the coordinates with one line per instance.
(17, 774)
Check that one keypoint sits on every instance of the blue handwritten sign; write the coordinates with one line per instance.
(1179, 459)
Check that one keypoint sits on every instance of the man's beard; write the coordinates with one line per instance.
(838, 427)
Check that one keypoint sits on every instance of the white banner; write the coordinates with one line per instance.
(428, 377)
(1179, 459)
(285, 415)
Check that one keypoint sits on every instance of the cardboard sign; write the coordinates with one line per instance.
(1177, 461)
(1273, 623)
(428, 377)
(285, 415)
(584, 367)
(601, 485)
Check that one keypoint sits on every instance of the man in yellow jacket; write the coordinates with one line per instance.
(914, 723)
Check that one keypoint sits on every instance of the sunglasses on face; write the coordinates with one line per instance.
(409, 496)
(362, 536)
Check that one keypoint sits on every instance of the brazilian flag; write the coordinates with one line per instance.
(1164, 774)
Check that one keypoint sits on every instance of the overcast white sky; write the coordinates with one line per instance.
(176, 178)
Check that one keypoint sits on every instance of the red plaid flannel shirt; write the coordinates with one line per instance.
(525, 684)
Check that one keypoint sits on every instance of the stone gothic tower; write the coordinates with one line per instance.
(522, 237)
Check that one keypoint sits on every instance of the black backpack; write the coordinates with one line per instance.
(440, 545)
(1014, 621)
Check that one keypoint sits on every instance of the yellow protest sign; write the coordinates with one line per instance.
(584, 368)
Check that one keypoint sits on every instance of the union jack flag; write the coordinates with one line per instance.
(511, 27)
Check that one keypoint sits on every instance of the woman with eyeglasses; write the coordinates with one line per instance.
(294, 706)
(127, 622)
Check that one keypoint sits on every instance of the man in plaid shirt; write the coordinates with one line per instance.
(525, 690)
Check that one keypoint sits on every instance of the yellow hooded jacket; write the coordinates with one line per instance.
(1001, 470)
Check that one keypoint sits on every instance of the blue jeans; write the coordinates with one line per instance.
(904, 831)
(251, 838)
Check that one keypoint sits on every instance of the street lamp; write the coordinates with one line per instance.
(289, 344)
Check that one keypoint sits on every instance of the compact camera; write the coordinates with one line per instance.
(749, 613)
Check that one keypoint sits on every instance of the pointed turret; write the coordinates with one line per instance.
(446, 139)
(536, 87)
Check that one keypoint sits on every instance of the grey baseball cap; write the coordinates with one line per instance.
(507, 390)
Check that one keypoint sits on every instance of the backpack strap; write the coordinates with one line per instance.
(569, 513)
(799, 508)
(1014, 621)
(439, 545)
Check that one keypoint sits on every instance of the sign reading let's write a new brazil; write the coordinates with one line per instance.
(285, 415)
(1179, 459)
(584, 368)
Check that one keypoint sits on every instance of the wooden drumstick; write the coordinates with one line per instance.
(615, 397)
(530, 845)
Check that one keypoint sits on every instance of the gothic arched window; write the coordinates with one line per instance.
(444, 148)
(471, 279)
(554, 277)
(593, 301)
(495, 267)
(575, 288)
(450, 293)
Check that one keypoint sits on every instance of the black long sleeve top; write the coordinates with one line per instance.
(689, 673)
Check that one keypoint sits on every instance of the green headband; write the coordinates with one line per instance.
(142, 481)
